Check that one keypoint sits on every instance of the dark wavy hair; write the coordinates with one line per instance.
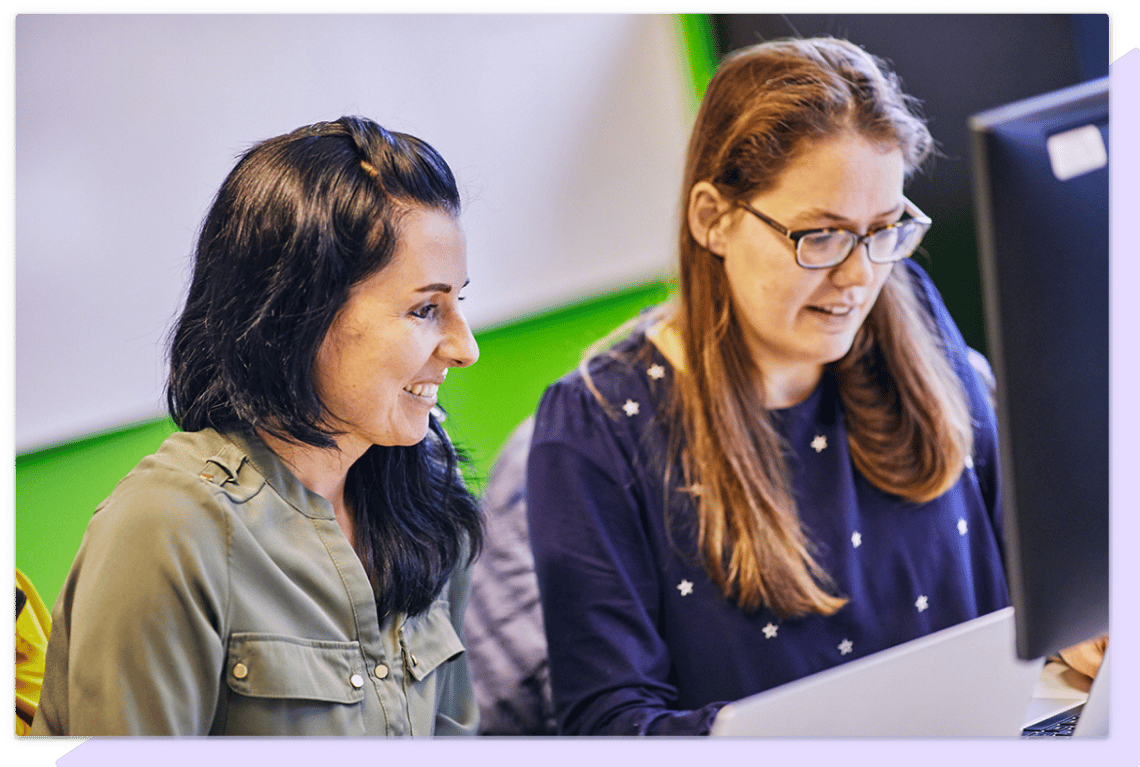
(299, 221)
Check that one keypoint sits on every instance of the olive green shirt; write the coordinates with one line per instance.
(214, 594)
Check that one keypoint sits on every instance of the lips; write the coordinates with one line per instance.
(833, 310)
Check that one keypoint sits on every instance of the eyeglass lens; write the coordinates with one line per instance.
(891, 244)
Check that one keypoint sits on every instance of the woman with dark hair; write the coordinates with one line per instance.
(294, 560)
(791, 465)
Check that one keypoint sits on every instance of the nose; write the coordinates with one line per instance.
(458, 347)
(856, 269)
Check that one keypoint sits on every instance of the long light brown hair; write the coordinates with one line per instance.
(907, 419)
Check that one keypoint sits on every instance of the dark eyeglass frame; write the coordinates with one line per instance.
(909, 208)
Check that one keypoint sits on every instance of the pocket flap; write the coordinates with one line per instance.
(430, 640)
(274, 666)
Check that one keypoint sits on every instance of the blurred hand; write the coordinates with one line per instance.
(1086, 656)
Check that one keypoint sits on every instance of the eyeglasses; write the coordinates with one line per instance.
(828, 247)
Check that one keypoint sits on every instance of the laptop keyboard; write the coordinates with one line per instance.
(1061, 724)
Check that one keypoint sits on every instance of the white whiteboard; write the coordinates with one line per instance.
(566, 133)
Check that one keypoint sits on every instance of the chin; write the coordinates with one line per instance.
(413, 436)
(829, 355)
(404, 437)
(838, 350)
(406, 440)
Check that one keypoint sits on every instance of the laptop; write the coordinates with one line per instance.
(965, 681)
(1094, 716)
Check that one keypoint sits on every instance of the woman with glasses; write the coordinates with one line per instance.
(793, 464)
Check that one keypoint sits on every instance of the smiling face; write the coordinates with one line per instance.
(389, 347)
(796, 320)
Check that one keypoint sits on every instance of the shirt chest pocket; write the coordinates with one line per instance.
(282, 685)
(429, 642)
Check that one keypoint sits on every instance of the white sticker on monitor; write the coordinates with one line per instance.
(1076, 152)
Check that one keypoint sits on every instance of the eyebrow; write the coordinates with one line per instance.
(439, 287)
(820, 213)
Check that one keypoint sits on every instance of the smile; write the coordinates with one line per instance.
(835, 310)
(425, 390)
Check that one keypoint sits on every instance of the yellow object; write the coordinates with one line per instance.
(33, 624)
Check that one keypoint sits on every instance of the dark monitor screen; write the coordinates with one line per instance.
(1041, 188)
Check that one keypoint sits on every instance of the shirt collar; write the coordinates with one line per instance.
(278, 476)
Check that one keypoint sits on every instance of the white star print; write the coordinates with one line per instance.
(819, 444)
(921, 603)
(656, 371)
(770, 631)
(856, 539)
(969, 462)
(845, 647)
(685, 587)
(962, 528)
(630, 407)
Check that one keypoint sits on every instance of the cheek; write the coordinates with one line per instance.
(408, 354)
(792, 293)
(771, 302)
(399, 359)
(327, 370)
(352, 365)
(760, 282)
(882, 274)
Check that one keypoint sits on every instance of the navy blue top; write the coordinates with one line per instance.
(642, 642)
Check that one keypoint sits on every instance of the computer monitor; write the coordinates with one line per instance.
(1041, 188)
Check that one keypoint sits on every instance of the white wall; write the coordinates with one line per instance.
(566, 134)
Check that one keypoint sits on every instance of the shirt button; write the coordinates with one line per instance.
(356, 680)
(240, 671)
(414, 661)
(381, 671)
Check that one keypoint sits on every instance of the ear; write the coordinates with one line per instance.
(707, 220)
